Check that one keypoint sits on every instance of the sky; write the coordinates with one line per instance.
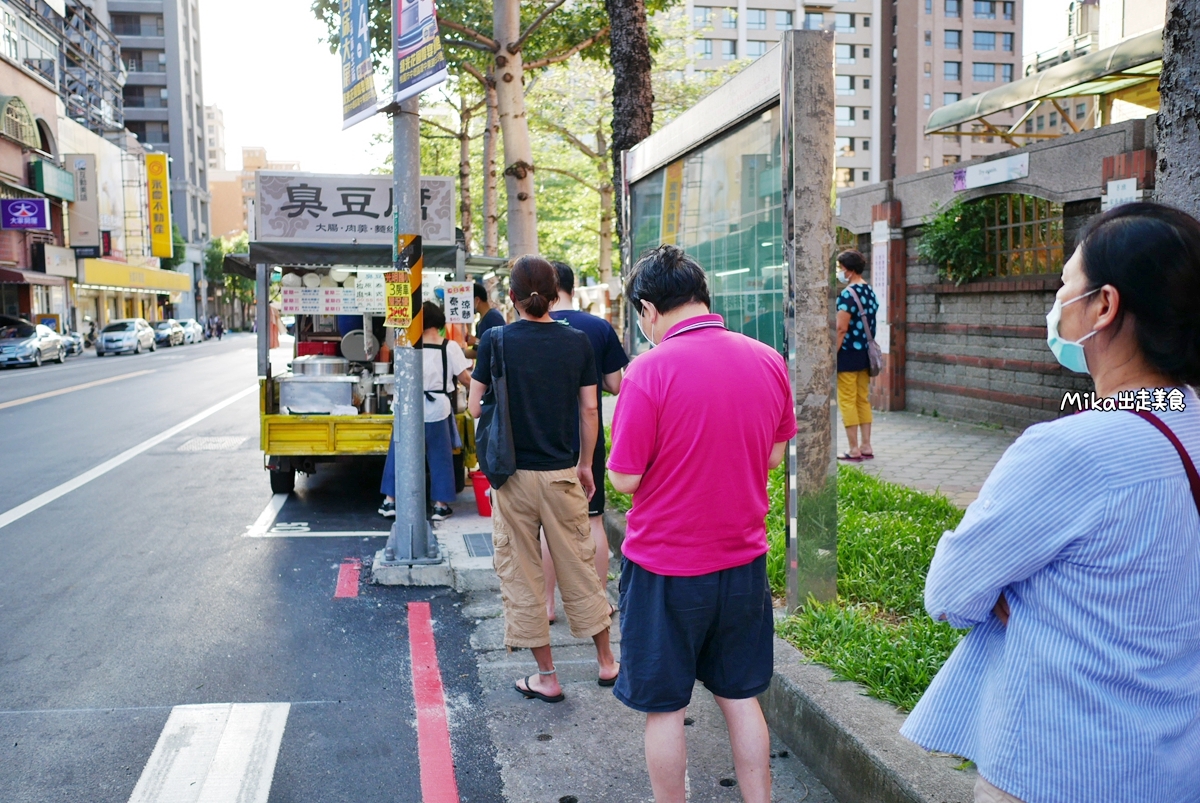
(282, 91)
(265, 66)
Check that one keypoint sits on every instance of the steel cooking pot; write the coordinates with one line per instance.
(320, 365)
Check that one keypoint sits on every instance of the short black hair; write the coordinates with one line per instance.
(853, 261)
(566, 276)
(434, 318)
(480, 292)
(668, 278)
(1151, 254)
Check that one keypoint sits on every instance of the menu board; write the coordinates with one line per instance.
(460, 302)
(371, 293)
(318, 301)
(398, 296)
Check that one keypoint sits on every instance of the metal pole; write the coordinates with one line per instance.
(262, 316)
(409, 540)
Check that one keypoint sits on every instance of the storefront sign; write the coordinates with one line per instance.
(398, 295)
(672, 203)
(30, 214)
(420, 63)
(321, 208)
(159, 203)
(358, 70)
(53, 180)
(54, 260)
(119, 276)
(996, 171)
(84, 213)
(460, 302)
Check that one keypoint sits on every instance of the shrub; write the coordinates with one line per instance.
(952, 239)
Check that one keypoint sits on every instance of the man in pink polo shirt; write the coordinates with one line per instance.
(700, 421)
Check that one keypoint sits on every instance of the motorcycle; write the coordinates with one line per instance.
(89, 339)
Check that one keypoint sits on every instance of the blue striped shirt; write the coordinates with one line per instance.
(1092, 691)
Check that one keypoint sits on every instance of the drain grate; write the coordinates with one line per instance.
(479, 545)
(218, 444)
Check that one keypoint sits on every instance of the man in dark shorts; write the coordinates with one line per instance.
(702, 417)
(610, 360)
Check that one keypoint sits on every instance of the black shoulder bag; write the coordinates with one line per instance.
(494, 438)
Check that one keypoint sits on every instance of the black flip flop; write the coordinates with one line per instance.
(531, 694)
(606, 683)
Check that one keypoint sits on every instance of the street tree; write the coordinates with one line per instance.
(1178, 122)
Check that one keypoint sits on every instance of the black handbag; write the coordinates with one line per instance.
(494, 438)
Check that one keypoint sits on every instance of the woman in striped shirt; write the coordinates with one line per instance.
(1078, 567)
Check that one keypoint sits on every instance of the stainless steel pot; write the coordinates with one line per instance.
(320, 365)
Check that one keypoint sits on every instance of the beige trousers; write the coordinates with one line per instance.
(986, 793)
(554, 502)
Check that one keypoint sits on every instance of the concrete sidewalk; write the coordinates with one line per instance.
(932, 454)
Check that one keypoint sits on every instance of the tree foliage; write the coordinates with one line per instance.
(952, 239)
(178, 248)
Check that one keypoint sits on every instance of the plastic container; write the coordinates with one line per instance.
(307, 347)
(482, 501)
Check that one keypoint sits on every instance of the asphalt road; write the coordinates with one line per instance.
(128, 589)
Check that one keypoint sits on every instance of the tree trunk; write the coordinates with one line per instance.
(491, 190)
(633, 94)
(518, 148)
(1177, 179)
(464, 168)
(606, 237)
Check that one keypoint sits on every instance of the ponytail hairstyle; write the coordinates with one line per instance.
(534, 285)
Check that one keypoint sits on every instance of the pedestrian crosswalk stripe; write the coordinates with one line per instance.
(220, 753)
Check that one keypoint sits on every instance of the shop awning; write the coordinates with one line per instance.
(109, 274)
(18, 276)
(1130, 68)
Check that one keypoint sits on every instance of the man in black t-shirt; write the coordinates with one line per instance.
(489, 316)
(550, 374)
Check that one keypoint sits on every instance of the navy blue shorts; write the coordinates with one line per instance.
(716, 628)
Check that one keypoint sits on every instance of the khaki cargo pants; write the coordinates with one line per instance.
(553, 501)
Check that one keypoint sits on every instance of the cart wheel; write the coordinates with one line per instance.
(283, 481)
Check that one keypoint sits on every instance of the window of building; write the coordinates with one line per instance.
(984, 40)
(928, 69)
(928, 103)
(783, 20)
(755, 48)
(866, 21)
(814, 22)
(843, 23)
(866, 114)
(844, 54)
(704, 48)
(126, 24)
(928, 38)
(953, 8)
(843, 146)
(1041, 122)
(701, 17)
(844, 177)
(983, 71)
(1023, 235)
(729, 18)
(1006, 42)
(843, 115)
(756, 19)
(951, 159)
(951, 97)
(864, 144)
(925, 163)
(1006, 73)
(985, 9)
(1053, 119)
(1029, 126)
(865, 175)
(844, 84)
(953, 40)
(928, 6)
(1080, 111)
(1008, 11)
(728, 49)
(866, 83)
(866, 52)
(952, 70)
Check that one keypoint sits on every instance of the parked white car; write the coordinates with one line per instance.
(126, 336)
(25, 343)
(193, 332)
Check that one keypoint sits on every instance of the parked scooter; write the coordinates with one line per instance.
(89, 339)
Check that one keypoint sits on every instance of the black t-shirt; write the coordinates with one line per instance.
(490, 318)
(606, 346)
(545, 364)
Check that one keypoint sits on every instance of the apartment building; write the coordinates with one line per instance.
(233, 191)
(895, 63)
(164, 100)
(214, 132)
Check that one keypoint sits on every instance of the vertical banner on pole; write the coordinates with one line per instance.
(159, 197)
(358, 70)
(420, 62)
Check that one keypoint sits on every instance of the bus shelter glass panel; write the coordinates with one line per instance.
(723, 204)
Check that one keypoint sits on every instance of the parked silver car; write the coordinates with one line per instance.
(169, 333)
(126, 336)
(193, 332)
(25, 343)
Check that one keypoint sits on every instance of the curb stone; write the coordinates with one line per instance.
(850, 741)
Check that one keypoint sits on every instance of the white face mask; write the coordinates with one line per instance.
(841, 276)
(650, 336)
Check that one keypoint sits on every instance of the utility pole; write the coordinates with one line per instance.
(411, 539)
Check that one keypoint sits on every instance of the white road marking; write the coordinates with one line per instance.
(221, 753)
(41, 500)
(267, 518)
(329, 534)
(220, 443)
(52, 393)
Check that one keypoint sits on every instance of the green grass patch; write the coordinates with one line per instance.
(877, 632)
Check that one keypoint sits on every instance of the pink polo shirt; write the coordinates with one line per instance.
(696, 417)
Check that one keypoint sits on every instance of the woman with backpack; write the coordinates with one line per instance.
(443, 362)
(856, 308)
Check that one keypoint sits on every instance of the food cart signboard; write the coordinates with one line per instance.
(460, 297)
(371, 293)
(294, 207)
(398, 295)
(318, 301)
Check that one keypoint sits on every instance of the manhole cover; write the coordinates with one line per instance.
(479, 545)
(218, 444)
